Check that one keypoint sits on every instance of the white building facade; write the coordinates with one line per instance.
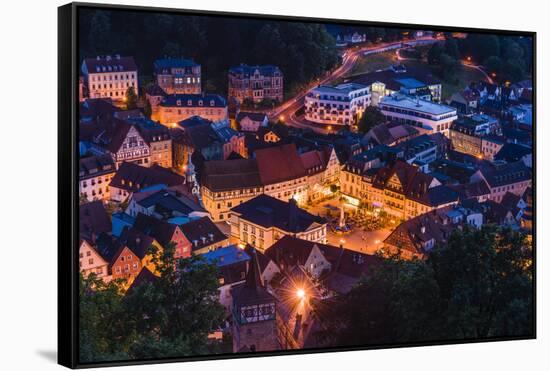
(432, 117)
(110, 76)
(342, 104)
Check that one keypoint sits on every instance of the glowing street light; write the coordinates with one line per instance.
(282, 118)
(300, 293)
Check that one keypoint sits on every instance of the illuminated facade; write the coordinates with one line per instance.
(110, 76)
(178, 76)
(90, 261)
(264, 220)
(178, 107)
(401, 190)
(255, 83)
(337, 105)
(432, 117)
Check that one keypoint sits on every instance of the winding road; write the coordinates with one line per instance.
(286, 112)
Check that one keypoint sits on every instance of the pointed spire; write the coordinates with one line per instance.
(253, 279)
(292, 214)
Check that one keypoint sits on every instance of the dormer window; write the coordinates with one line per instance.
(178, 103)
(212, 103)
(189, 102)
(200, 103)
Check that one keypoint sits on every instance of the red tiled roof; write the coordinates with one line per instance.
(279, 164)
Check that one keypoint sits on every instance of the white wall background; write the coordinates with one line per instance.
(28, 207)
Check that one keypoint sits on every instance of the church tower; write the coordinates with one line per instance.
(254, 313)
(191, 178)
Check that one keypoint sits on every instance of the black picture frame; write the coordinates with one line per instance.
(68, 73)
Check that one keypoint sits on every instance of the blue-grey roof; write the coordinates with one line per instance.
(167, 63)
(166, 201)
(120, 221)
(271, 212)
(248, 70)
(227, 255)
(194, 100)
(441, 195)
(410, 83)
(511, 152)
(226, 133)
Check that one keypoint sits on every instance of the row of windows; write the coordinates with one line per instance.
(115, 77)
(189, 112)
(99, 180)
(415, 113)
(118, 269)
(110, 86)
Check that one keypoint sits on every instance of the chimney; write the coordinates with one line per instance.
(195, 243)
(422, 229)
(203, 239)
(211, 236)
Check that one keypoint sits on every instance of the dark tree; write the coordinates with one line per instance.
(371, 117)
(434, 54)
(179, 309)
(477, 286)
(131, 98)
(171, 315)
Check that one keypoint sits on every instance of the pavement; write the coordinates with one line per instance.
(358, 239)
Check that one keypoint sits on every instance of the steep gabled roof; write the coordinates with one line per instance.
(270, 212)
(132, 177)
(144, 277)
(231, 174)
(93, 220)
(279, 164)
(155, 228)
(254, 116)
(413, 233)
(252, 291)
(137, 241)
(510, 173)
(202, 229)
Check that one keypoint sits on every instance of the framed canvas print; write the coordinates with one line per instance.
(236, 185)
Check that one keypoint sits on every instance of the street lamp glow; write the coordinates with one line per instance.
(282, 118)
(300, 293)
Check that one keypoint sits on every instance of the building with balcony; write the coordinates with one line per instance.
(337, 105)
(255, 83)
